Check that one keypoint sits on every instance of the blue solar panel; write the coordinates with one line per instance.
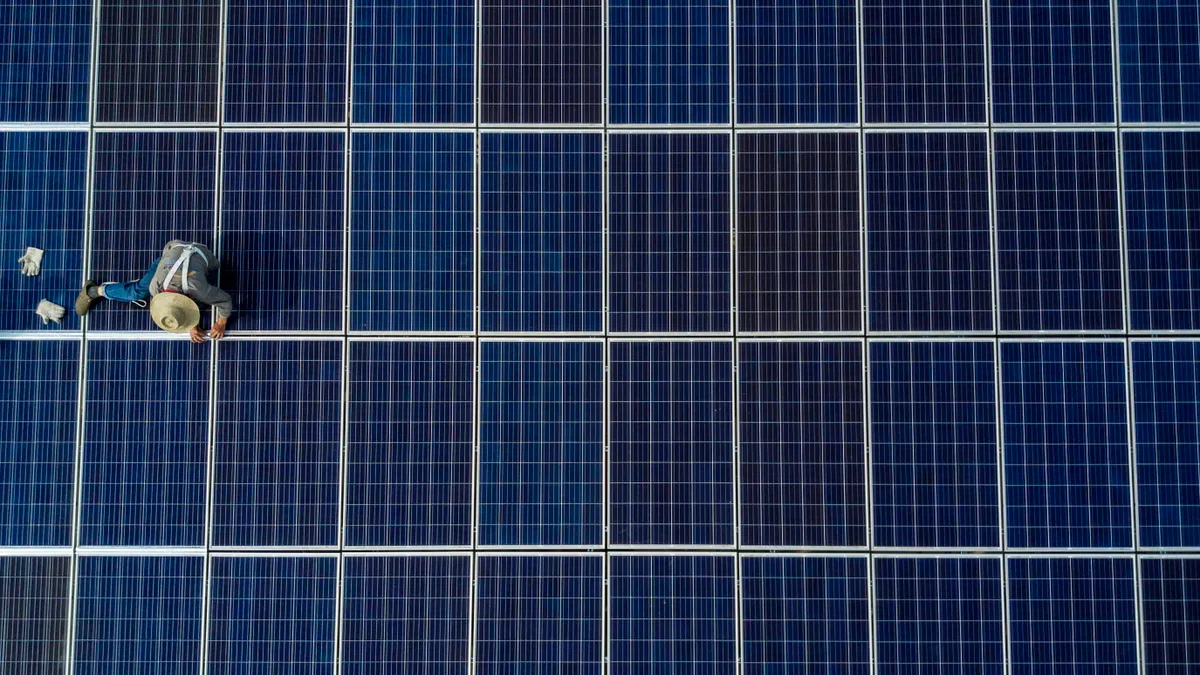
(933, 444)
(1166, 415)
(275, 466)
(669, 243)
(47, 57)
(797, 62)
(138, 615)
(37, 441)
(158, 61)
(148, 189)
(1066, 452)
(1072, 615)
(412, 229)
(1058, 231)
(145, 449)
(540, 232)
(42, 195)
(540, 61)
(800, 413)
(414, 61)
(272, 615)
(410, 444)
(799, 233)
(671, 443)
(923, 61)
(672, 614)
(939, 615)
(539, 615)
(1170, 615)
(805, 616)
(1160, 65)
(541, 448)
(285, 61)
(929, 264)
(282, 231)
(668, 61)
(405, 615)
(1162, 219)
(1052, 62)
(34, 615)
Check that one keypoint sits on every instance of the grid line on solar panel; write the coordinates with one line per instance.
(409, 444)
(35, 614)
(148, 189)
(276, 448)
(929, 265)
(1066, 451)
(1160, 65)
(541, 450)
(540, 62)
(158, 61)
(47, 60)
(1170, 604)
(541, 244)
(669, 245)
(138, 615)
(1162, 223)
(668, 62)
(798, 233)
(801, 444)
(1071, 615)
(42, 197)
(1058, 231)
(413, 62)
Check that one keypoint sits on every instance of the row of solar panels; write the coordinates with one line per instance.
(571, 614)
(537, 231)
(662, 61)
(554, 436)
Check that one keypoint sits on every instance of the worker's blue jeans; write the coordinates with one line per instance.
(132, 291)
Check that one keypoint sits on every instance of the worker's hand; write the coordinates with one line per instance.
(218, 329)
(31, 262)
(197, 335)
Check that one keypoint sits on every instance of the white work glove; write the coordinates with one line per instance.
(31, 262)
(50, 312)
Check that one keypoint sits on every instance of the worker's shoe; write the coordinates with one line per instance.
(88, 295)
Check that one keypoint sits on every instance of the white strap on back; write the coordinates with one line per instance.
(184, 262)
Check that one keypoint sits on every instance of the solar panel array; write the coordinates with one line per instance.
(599, 336)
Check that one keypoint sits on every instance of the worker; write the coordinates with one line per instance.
(173, 284)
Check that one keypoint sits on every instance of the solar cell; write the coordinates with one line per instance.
(412, 229)
(275, 462)
(933, 445)
(410, 444)
(1162, 220)
(668, 61)
(805, 616)
(1058, 231)
(1166, 415)
(138, 614)
(405, 615)
(801, 446)
(671, 443)
(539, 614)
(541, 232)
(939, 615)
(272, 615)
(282, 232)
(798, 233)
(158, 61)
(929, 265)
(43, 179)
(540, 61)
(148, 188)
(1066, 455)
(541, 446)
(797, 62)
(1071, 615)
(1170, 614)
(34, 615)
(145, 464)
(1160, 65)
(669, 243)
(47, 58)
(414, 61)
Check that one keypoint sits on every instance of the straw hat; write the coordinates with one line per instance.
(174, 312)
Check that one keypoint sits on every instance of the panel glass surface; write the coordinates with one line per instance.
(1160, 65)
(34, 619)
(1170, 614)
(47, 56)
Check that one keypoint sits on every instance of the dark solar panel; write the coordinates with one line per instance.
(34, 620)
(1170, 615)
(1160, 65)
(47, 56)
